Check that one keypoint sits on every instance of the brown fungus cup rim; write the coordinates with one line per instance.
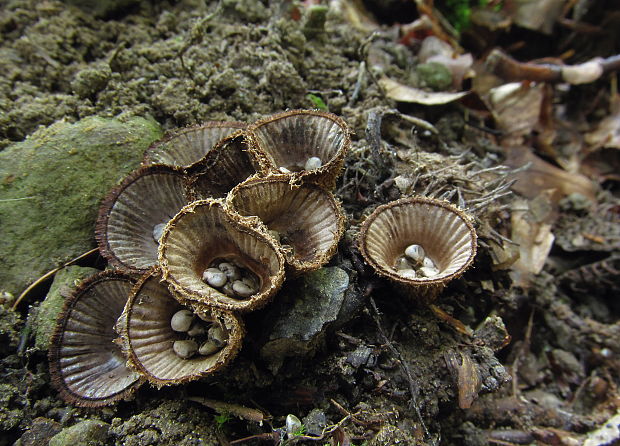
(233, 323)
(177, 133)
(108, 207)
(329, 171)
(270, 282)
(298, 265)
(440, 280)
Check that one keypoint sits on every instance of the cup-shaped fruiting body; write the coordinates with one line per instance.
(229, 163)
(418, 242)
(86, 366)
(133, 216)
(169, 343)
(305, 219)
(203, 238)
(310, 145)
(186, 147)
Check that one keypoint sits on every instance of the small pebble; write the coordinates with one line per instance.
(208, 348)
(242, 289)
(415, 252)
(402, 263)
(407, 273)
(428, 271)
(284, 170)
(158, 230)
(197, 329)
(313, 162)
(228, 290)
(428, 262)
(182, 320)
(185, 348)
(231, 271)
(217, 335)
(214, 277)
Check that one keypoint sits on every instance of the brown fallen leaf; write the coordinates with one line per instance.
(543, 176)
(534, 239)
(467, 377)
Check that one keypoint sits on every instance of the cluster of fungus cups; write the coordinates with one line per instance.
(204, 231)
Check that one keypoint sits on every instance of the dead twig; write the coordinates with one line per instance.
(510, 69)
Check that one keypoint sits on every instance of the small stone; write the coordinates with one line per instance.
(428, 271)
(185, 348)
(182, 320)
(197, 329)
(232, 271)
(293, 425)
(415, 252)
(314, 162)
(214, 277)
(228, 290)
(217, 335)
(402, 263)
(407, 273)
(283, 169)
(428, 262)
(242, 289)
(208, 348)
(158, 230)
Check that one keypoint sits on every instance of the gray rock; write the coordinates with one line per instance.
(51, 186)
(308, 306)
(87, 432)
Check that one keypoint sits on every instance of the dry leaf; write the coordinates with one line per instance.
(515, 106)
(537, 15)
(542, 176)
(534, 239)
(403, 93)
(467, 377)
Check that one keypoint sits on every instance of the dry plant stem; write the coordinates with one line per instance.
(50, 274)
(413, 388)
(512, 70)
(246, 413)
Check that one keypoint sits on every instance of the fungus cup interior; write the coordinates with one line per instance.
(148, 338)
(444, 232)
(228, 164)
(147, 197)
(188, 146)
(290, 138)
(87, 367)
(306, 217)
(204, 231)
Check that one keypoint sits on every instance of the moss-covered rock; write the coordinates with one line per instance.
(65, 282)
(84, 433)
(51, 186)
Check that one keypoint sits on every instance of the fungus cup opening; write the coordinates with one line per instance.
(147, 197)
(444, 231)
(86, 366)
(290, 139)
(306, 218)
(231, 161)
(204, 231)
(148, 338)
